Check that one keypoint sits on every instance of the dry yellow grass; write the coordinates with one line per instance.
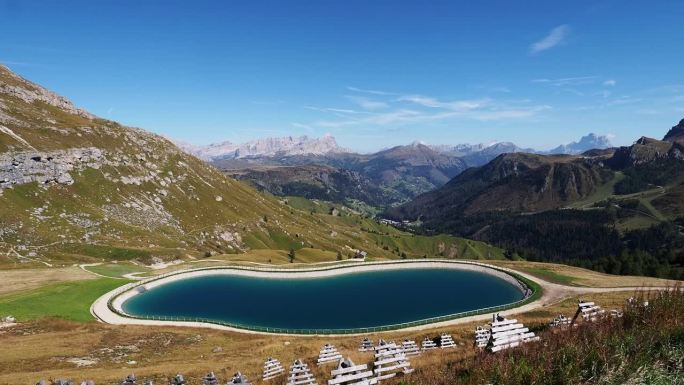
(577, 276)
(42, 349)
(17, 280)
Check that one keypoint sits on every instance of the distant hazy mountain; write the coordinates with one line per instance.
(401, 173)
(586, 143)
(267, 147)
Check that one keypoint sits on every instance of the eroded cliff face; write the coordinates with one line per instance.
(22, 167)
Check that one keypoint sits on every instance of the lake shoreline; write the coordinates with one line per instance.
(109, 308)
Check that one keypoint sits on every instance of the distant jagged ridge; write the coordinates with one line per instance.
(401, 172)
(586, 143)
(283, 146)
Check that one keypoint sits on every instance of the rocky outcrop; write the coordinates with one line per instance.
(676, 133)
(511, 182)
(30, 92)
(645, 151)
(18, 168)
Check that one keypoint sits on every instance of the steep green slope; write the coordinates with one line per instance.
(74, 187)
(618, 211)
(517, 182)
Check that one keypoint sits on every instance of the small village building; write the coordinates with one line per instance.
(360, 254)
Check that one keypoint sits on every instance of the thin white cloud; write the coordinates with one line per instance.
(368, 104)
(456, 105)
(301, 125)
(367, 91)
(335, 110)
(515, 113)
(553, 39)
(610, 83)
(392, 109)
(569, 81)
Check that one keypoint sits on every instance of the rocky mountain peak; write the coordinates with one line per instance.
(676, 133)
(282, 146)
(587, 142)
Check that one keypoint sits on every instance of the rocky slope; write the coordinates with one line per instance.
(400, 173)
(523, 182)
(312, 182)
(676, 133)
(518, 182)
(617, 210)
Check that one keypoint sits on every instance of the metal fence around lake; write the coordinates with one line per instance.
(532, 292)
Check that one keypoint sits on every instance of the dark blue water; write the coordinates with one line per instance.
(354, 300)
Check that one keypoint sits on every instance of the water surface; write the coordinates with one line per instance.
(353, 300)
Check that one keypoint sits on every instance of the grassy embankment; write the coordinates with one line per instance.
(577, 276)
(66, 300)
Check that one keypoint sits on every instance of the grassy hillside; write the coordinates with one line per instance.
(77, 188)
(618, 211)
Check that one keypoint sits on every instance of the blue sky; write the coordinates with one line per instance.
(372, 73)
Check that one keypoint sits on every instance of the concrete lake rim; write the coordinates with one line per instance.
(109, 307)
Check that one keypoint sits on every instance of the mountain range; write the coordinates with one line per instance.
(284, 166)
(267, 147)
(586, 209)
(274, 147)
(78, 188)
